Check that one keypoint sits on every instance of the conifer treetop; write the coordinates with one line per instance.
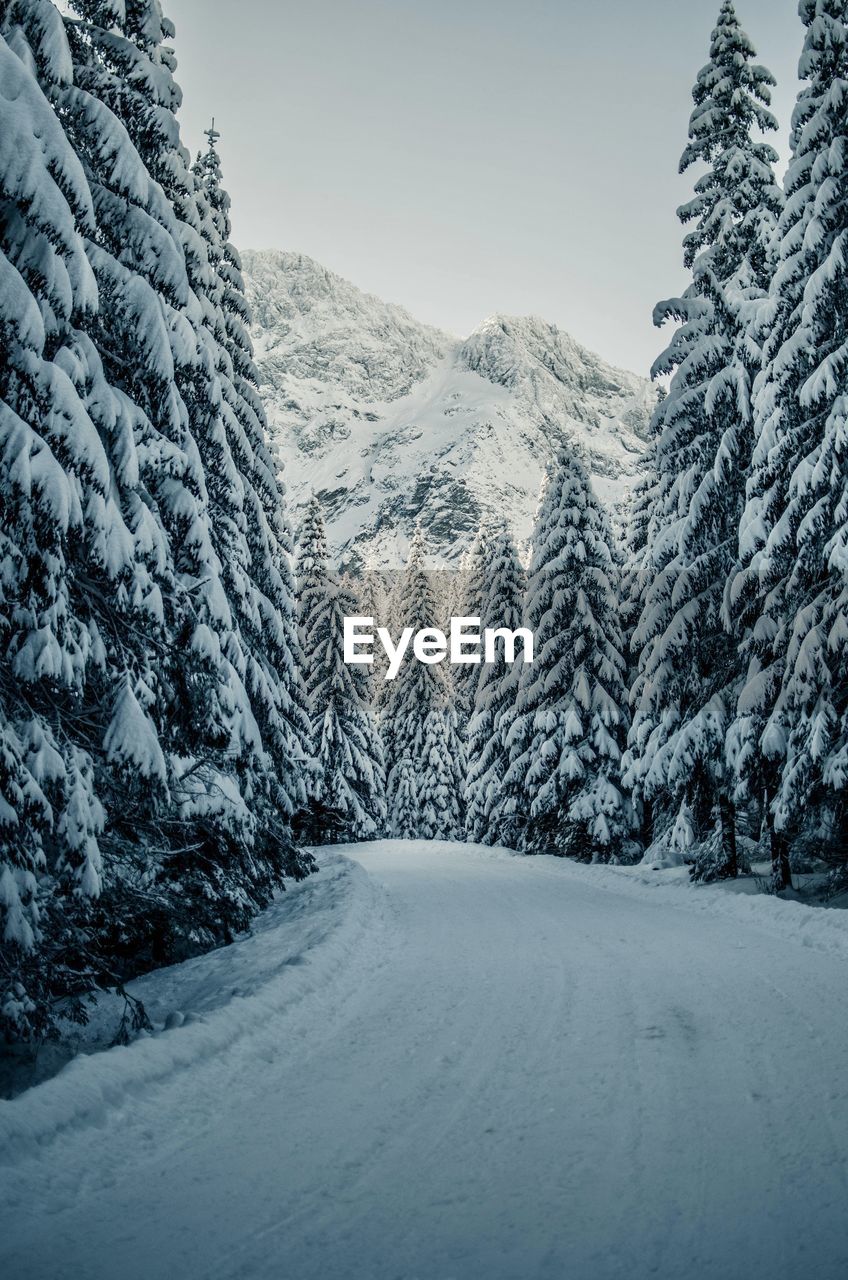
(207, 170)
(732, 97)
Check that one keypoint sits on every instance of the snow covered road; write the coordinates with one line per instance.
(460, 1065)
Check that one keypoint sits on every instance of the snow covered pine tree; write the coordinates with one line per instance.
(139, 796)
(791, 592)
(405, 814)
(347, 794)
(562, 793)
(420, 736)
(249, 529)
(497, 686)
(468, 600)
(55, 483)
(689, 671)
(635, 583)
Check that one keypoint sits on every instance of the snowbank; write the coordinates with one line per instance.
(823, 928)
(205, 1005)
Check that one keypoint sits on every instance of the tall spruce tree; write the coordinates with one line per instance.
(122, 105)
(406, 817)
(468, 601)
(373, 602)
(347, 794)
(90, 683)
(635, 574)
(790, 737)
(140, 781)
(562, 793)
(57, 522)
(239, 723)
(419, 724)
(689, 670)
(487, 756)
(249, 528)
(635, 583)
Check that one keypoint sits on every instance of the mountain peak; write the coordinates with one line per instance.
(534, 346)
(390, 420)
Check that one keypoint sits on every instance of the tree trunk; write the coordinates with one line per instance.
(647, 825)
(727, 812)
(781, 874)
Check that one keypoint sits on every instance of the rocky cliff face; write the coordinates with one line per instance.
(390, 421)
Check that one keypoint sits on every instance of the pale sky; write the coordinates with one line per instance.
(463, 157)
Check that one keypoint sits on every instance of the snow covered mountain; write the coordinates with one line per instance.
(388, 420)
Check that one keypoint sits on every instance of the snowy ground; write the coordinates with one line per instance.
(437, 1062)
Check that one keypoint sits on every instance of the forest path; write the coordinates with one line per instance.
(485, 1068)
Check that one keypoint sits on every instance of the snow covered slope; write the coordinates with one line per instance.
(444, 1061)
(387, 419)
